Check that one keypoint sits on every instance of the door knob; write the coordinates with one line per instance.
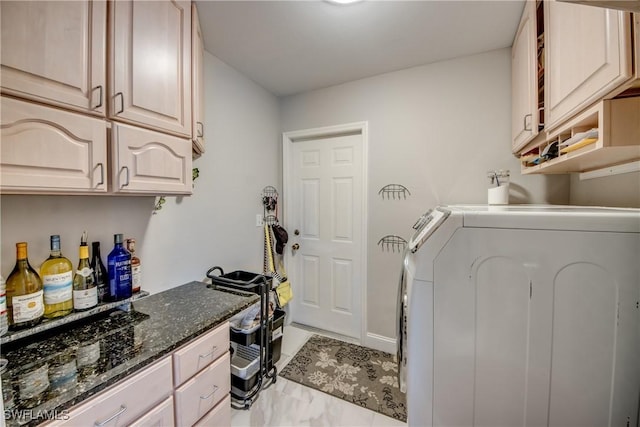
(295, 247)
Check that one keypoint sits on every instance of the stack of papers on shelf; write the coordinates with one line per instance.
(579, 140)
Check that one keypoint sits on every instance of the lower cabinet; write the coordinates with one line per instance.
(159, 395)
(199, 395)
(127, 401)
(202, 380)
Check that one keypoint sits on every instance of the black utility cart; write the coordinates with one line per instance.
(255, 350)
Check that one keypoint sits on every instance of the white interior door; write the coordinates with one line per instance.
(324, 195)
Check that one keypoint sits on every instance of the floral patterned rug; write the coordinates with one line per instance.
(359, 375)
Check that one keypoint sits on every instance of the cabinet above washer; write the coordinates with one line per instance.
(585, 60)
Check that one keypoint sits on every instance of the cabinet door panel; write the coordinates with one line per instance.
(152, 64)
(55, 52)
(588, 55)
(45, 149)
(150, 162)
(524, 116)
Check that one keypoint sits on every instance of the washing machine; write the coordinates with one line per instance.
(521, 315)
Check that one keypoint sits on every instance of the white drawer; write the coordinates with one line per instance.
(201, 393)
(192, 358)
(160, 416)
(220, 416)
(126, 401)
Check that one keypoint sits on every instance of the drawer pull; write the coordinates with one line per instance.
(213, 350)
(215, 388)
(122, 409)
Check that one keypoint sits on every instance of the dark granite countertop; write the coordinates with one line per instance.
(49, 373)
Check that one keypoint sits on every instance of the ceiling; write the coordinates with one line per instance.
(288, 47)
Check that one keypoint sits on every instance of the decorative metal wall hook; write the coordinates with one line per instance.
(391, 190)
(270, 202)
(392, 242)
(269, 198)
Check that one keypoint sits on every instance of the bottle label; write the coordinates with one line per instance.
(85, 272)
(3, 310)
(136, 276)
(120, 276)
(57, 287)
(27, 307)
(85, 298)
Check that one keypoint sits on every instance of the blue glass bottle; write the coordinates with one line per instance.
(119, 270)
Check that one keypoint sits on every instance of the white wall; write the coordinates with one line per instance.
(616, 190)
(214, 226)
(436, 129)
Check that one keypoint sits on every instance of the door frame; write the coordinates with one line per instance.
(290, 138)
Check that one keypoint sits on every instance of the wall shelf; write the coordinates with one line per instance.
(618, 124)
(48, 324)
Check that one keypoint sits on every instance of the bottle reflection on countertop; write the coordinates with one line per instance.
(88, 358)
(63, 373)
(32, 385)
(43, 374)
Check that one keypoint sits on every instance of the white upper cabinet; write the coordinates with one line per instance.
(145, 161)
(150, 64)
(588, 52)
(524, 78)
(197, 83)
(54, 52)
(49, 150)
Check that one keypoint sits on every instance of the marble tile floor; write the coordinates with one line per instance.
(287, 403)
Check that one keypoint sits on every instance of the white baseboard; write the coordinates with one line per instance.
(380, 342)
